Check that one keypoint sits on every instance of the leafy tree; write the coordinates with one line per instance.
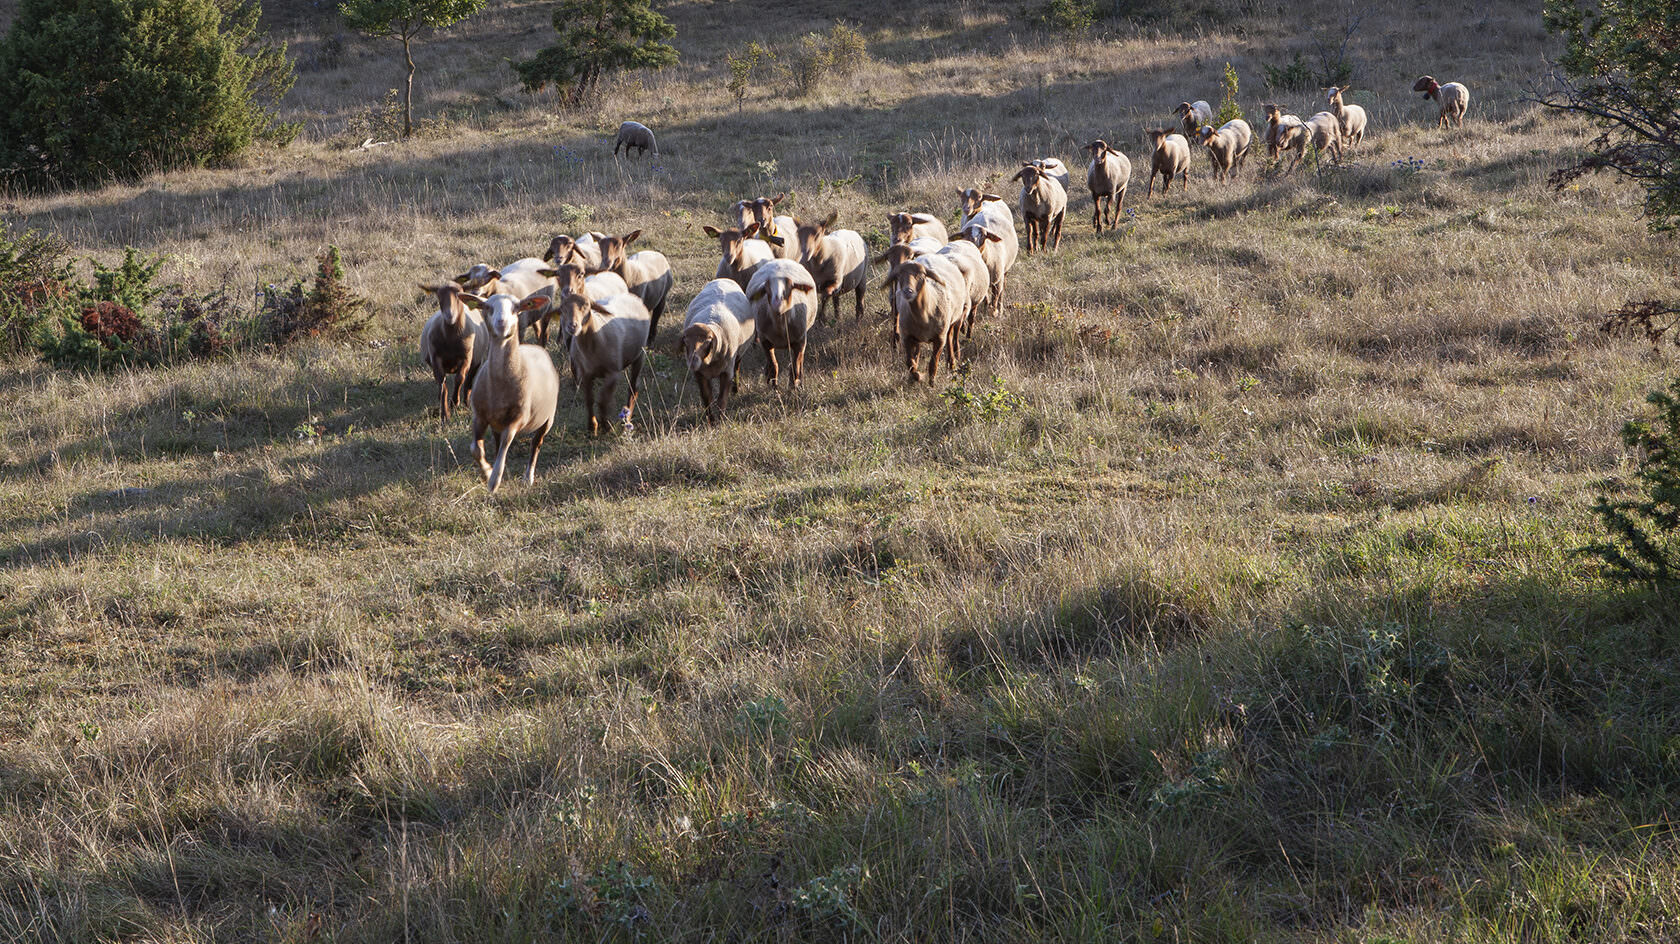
(598, 37)
(97, 89)
(1621, 69)
(405, 20)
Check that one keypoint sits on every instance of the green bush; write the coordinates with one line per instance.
(1229, 110)
(1644, 542)
(839, 53)
(92, 90)
(35, 286)
(598, 37)
(1074, 17)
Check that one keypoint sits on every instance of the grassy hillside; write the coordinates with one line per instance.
(1227, 596)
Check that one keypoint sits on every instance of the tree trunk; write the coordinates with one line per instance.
(408, 92)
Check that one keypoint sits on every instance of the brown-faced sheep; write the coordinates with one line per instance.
(837, 259)
(1169, 158)
(784, 303)
(1453, 97)
(453, 343)
(716, 331)
(1107, 177)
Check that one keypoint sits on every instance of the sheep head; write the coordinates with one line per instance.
(1428, 86)
(1028, 175)
(732, 243)
(900, 225)
(811, 235)
(449, 302)
(1098, 148)
(1183, 110)
(500, 316)
(897, 254)
(699, 343)
(574, 315)
(560, 250)
(1206, 135)
(613, 252)
(478, 276)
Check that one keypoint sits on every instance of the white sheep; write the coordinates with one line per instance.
(837, 259)
(972, 200)
(716, 331)
(1453, 97)
(1043, 205)
(741, 253)
(586, 249)
(1350, 119)
(1227, 147)
(608, 337)
(1055, 168)
(990, 226)
(1107, 177)
(571, 278)
(518, 278)
(784, 303)
(903, 227)
(1285, 133)
(647, 273)
(1169, 158)
(453, 343)
(1324, 134)
(634, 134)
(968, 260)
(930, 297)
(771, 227)
(1193, 115)
(515, 392)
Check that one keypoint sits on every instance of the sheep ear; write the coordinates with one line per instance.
(462, 278)
(631, 238)
(992, 236)
(472, 301)
(962, 194)
(990, 196)
(778, 198)
(1019, 173)
(492, 274)
(775, 240)
(749, 231)
(549, 273)
(711, 231)
(755, 296)
(597, 306)
(829, 221)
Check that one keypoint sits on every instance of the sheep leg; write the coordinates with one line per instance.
(1056, 224)
(536, 444)
(443, 399)
(1117, 206)
(860, 289)
(506, 442)
(933, 363)
(705, 386)
(478, 446)
(770, 367)
(589, 406)
(796, 351)
(636, 382)
(653, 320)
(723, 392)
(912, 349)
(953, 351)
(1097, 213)
(609, 385)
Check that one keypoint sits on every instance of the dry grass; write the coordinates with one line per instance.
(1232, 602)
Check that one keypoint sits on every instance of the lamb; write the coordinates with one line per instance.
(1043, 205)
(1194, 115)
(1285, 133)
(716, 331)
(770, 226)
(453, 343)
(907, 226)
(1228, 147)
(1108, 175)
(647, 273)
(837, 259)
(1454, 99)
(1349, 118)
(1170, 158)
(515, 392)
(991, 228)
(587, 248)
(930, 297)
(1324, 134)
(634, 134)
(784, 300)
(742, 254)
(608, 336)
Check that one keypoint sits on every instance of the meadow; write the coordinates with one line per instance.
(1228, 594)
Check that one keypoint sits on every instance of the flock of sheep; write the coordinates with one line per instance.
(776, 275)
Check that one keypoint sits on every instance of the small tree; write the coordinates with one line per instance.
(1644, 544)
(405, 20)
(598, 37)
(98, 89)
(1228, 107)
(1621, 69)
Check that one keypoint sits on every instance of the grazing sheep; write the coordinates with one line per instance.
(1350, 119)
(647, 273)
(968, 260)
(770, 227)
(515, 392)
(1170, 158)
(930, 297)
(742, 254)
(973, 199)
(1108, 175)
(1054, 167)
(587, 249)
(1324, 134)
(907, 226)
(784, 302)
(837, 259)
(453, 343)
(1285, 133)
(1043, 204)
(1228, 147)
(1454, 99)
(716, 331)
(607, 337)
(634, 134)
(1194, 115)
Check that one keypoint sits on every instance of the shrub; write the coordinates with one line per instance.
(741, 69)
(1074, 17)
(598, 37)
(328, 306)
(838, 54)
(94, 89)
(35, 286)
(1293, 76)
(1644, 542)
(1228, 108)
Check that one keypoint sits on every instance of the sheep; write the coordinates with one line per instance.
(647, 273)
(1350, 119)
(716, 331)
(514, 394)
(453, 342)
(634, 134)
(968, 260)
(1108, 175)
(1454, 99)
(784, 301)
(1324, 133)
(972, 200)
(1054, 167)
(837, 259)
(538, 308)
(587, 248)
(1228, 147)
(900, 253)
(1170, 158)
(1285, 133)
(1043, 204)
(907, 226)
(770, 226)
(742, 254)
(608, 336)
(991, 228)
(518, 278)
(1194, 115)
(930, 297)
